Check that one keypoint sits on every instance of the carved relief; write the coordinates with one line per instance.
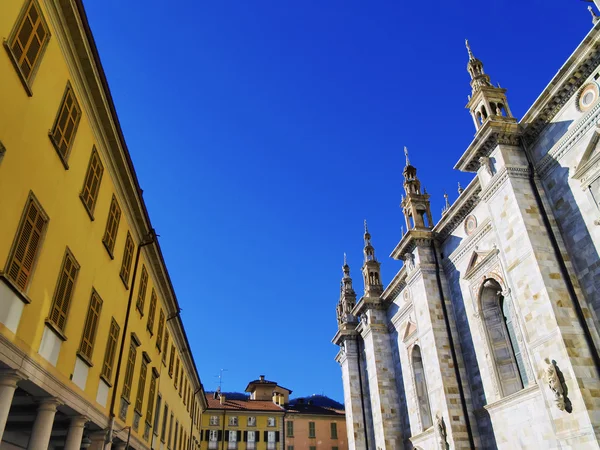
(440, 432)
(486, 163)
(556, 382)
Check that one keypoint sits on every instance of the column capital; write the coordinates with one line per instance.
(78, 421)
(48, 403)
(10, 377)
(97, 436)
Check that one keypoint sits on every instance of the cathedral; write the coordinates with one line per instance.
(488, 336)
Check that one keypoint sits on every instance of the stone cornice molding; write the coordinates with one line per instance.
(484, 228)
(415, 237)
(570, 77)
(501, 177)
(460, 209)
(342, 335)
(552, 159)
(496, 130)
(399, 317)
(396, 286)
(512, 399)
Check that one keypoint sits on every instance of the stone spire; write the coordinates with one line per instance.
(412, 185)
(347, 297)
(371, 268)
(487, 101)
(415, 205)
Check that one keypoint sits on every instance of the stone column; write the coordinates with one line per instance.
(120, 446)
(75, 433)
(8, 384)
(42, 427)
(97, 439)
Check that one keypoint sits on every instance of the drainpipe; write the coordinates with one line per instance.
(561, 262)
(149, 239)
(362, 399)
(463, 401)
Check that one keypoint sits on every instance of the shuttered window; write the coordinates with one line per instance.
(311, 430)
(152, 392)
(141, 387)
(29, 40)
(127, 258)
(290, 428)
(141, 298)
(112, 226)
(91, 183)
(27, 244)
(65, 126)
(129, 371)
(111, 349)
(161, 327)
(171, 361)
(165, 346)
(151, 315)
(334, 430)
(176, 371)
(86, 348)
(64, 291)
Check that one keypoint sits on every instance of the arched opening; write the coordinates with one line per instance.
(500, 109)
(494, 111)
(484, 113)
(421, 388)
(479, 118)
(499, 326)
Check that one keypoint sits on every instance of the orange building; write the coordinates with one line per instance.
(309, 426)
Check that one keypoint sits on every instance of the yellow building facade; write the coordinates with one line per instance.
(92, 348)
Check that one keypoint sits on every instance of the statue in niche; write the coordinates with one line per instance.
(486, 162)
(440, 431)
(409, 260)
(556, 382)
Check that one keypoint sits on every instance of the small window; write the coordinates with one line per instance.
(290, 428)
(176, 372)
(311, 430)
(86, 348)
(151, 315)
(27, 244)
(271, 422)
(163, 430)
(28, 41)
(233, 421)
(129, 370)
(161, 326)
(91, 183)
(251, 421)
(127, 259)
(171, 361)
(214, 420)
(165, 346)
(62, 134)
(112, 226)
(64, 291)
(141, 298)
(334, 430)
(111, 348)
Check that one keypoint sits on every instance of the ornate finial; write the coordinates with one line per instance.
(402, 228)
(366, 228)
(345, 260)
(595, 18)
(460, 188)
(406, 154)
(469, 49)
(446, 199)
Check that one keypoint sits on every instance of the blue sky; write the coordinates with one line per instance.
(264, 132)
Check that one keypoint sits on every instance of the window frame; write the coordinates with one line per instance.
(93, 195)
(65, 158)
(92, 341)
(127, 261)
(140, 302)
(27, 81)
(108, 349)
(312, 430)
(107, 236)
(60, 331)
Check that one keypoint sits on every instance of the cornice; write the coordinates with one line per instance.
(570, 77)
(496, 130)
(468, 243)
(415, 237)
(396, 285)
(459, 210)
(500, 178)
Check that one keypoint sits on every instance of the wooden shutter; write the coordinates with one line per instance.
(129, 370)
(334, 430)
(27, 243)
(141, 387)
(91, 325)
(111, 348)
(64, 291)
(29, 39)
(112, 226)
(151, 314)
(176, 371)
(151, 393)
(127, 259)
(91, 183)
(67, 120)
(161, 327)
(171, 360)
(165, 346)
(141, 298)
(277, 436)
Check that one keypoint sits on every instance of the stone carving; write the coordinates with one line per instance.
(409, 260)
(486, 163)
(556, 382)
(440, 432)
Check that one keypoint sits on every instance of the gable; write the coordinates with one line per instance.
(478, 260)
(589, 165)
(410, 329)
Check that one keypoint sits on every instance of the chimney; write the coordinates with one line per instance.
(222, 399)
(262, 378)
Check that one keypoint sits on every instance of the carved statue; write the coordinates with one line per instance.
(440, 431)
(557, 384)
(486, 162)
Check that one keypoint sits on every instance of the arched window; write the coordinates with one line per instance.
(499, 326)
(421, 387)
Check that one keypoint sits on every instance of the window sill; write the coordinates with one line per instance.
(87, 210)
(85, 359)
(14, 62)
(63, 159)
(106, 380)
(125, 282)
(110, 252)
(13, 287)
(56, 330)
(151, 335)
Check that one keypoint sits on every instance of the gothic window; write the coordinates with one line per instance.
(501, 336)
(421, 388)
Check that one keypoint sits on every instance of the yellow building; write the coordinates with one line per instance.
(92, 347)
(255, 422)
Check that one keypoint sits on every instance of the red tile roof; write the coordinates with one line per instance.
(243, 405)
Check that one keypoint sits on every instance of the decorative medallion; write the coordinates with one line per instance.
(470, 224)
(588, 95)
